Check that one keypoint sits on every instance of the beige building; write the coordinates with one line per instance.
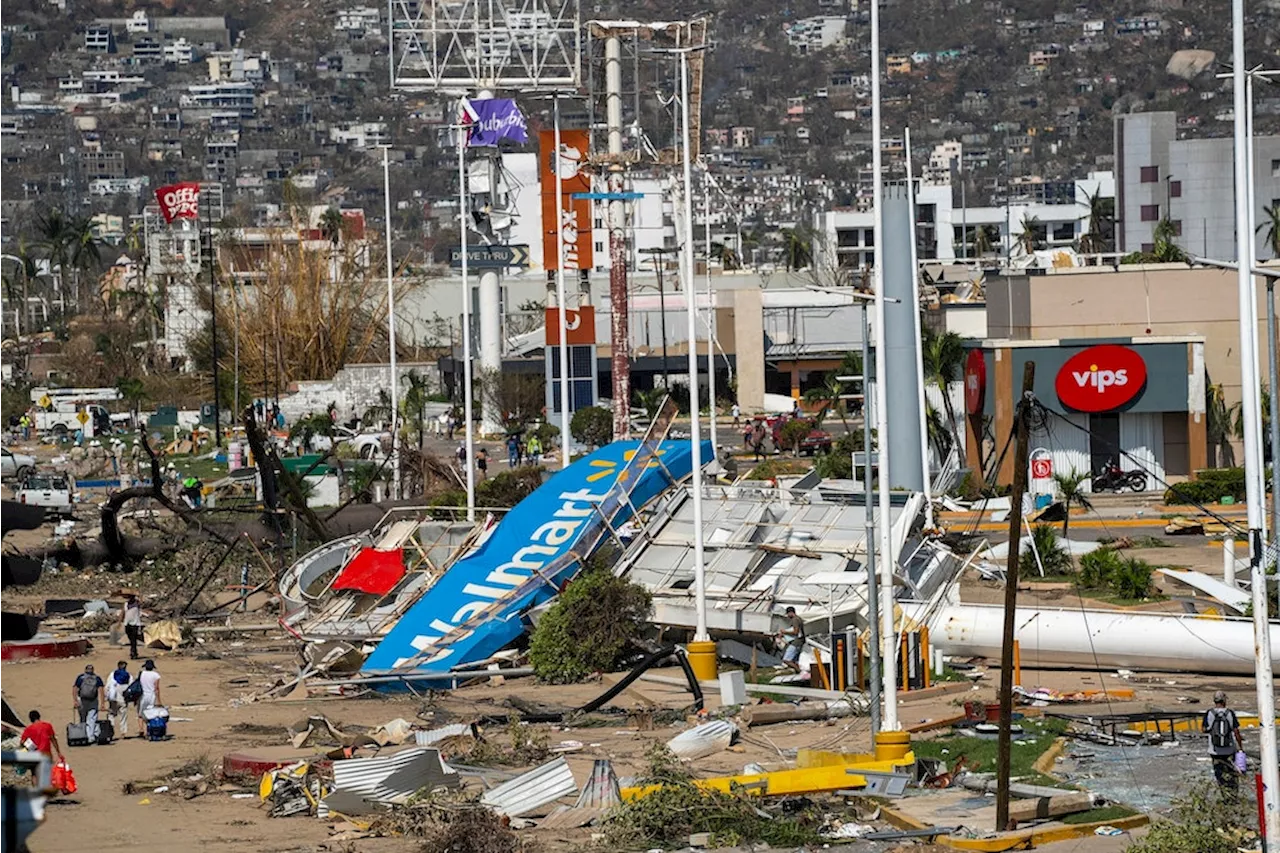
(1139, 306)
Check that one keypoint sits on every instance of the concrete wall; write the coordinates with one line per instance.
(1206, 207)
(748, 337)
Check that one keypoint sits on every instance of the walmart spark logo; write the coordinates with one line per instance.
(609, 467)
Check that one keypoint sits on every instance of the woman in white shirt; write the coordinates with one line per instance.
(150, 680)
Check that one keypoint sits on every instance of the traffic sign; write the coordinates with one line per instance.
(490, 257)
(82, 416)
(1042, 469)
(45, 402)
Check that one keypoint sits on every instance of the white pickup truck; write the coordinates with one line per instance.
(51, 491)
(367, 445)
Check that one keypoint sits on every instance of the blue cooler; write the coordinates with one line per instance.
(157, 723)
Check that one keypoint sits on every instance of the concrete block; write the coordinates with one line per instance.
(733, 688)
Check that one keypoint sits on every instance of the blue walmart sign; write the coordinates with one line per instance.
(477, 607)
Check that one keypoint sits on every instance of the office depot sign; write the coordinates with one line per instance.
(1101, 379)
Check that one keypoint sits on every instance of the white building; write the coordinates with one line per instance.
(138, 23)
(366, 19)
(360, 134)
(236, 66)
(180, 52)
(816, 33)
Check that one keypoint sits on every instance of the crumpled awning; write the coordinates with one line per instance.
(372, 571)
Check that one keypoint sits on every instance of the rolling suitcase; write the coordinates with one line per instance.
(106, 732)
(77, 734)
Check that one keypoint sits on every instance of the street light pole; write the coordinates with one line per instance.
(467, 405)
(1252, 416)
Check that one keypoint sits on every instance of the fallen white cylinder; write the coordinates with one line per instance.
(1054, 637)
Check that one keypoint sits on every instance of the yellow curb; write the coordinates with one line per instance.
(1012, 840)
(1044, 764)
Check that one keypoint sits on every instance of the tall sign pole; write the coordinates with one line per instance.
(1252, 414)
(619, 319)
(391, 328)
(888, 558)
(565, 438)
(467, 392)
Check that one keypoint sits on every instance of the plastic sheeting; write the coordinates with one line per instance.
(372, 571)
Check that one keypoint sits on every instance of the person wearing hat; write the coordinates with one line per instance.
(1223, 728)
(88, 697)
(150, 680)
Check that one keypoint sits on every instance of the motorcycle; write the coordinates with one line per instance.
(1112, 479)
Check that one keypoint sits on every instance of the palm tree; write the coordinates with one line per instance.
(939, 436)
(415, 402)
(1029, 238)
(133, 391)
(331, 225)
(1166, 249)
(1070, 486)
(1273, 227)
(68, 243)
(829, 393)
(17, 285)
(1221, 423)
(983, 241)
(1100, 218)
(944, 357)
(798, 250)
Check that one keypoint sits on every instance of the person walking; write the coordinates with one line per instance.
(1223, 728)
(41, 736)
(535, 451)
(150, 681)
(513, 450)
(88, 698)
(794, 635)
(482, 463)
(117, 707)
(131, 619)
(736, 410)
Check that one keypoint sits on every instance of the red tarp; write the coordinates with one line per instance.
(372, 571)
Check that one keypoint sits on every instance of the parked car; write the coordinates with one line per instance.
(367, 445)
(817, 440)
(16, 465)
(51, 491)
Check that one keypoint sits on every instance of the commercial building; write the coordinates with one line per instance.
(1188, 181)
(1125, 358)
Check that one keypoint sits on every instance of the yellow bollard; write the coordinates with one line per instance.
(702, 658)
(891, 746)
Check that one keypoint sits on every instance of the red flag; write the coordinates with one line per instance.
(179, 201)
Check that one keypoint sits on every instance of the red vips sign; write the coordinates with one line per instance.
(179, 201)
(580, 326)
(575, 214)
(1101, 379)
(975, 382)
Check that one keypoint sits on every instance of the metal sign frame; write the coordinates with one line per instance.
(486, 44)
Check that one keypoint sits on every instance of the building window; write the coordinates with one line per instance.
(1150, 174)
(1150, 213)
(1275, 168)
(1148, 248)
(1177, 227)
(1175, 189)
(1064, 231)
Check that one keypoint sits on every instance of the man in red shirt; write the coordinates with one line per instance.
(42, 736)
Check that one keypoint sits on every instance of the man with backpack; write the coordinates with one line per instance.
(88, 698)
(1224, 741)
(117, 684)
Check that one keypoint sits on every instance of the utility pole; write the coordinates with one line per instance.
(1020, 454)
(620, 322)
(213, 299)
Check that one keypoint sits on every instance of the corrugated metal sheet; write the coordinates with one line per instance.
(437, 735)
(565, 817)
(534, 789)
(703, 740)
(602, 789)
(393, 778)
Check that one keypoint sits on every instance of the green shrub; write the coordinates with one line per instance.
(547, 435)
(838, 464)
(592, 426)
(1206, 819)
(1132, 579)
(1053, 556)
(589, 628)
(1098, 567)
(1209, 486)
